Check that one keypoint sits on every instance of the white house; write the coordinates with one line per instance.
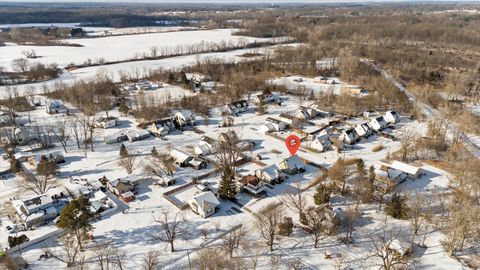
(116, 138)
(321, 143)
(270, 174)
(290, 120)
(302, 114)
(292, 165)
(391, 117)
(40, 208)
(201, 149)
(56, 106)
(267, 127)
(363, 130)
(56, 156)
(205, 204)
(348, 136)
(236, 107)
(183, 118)
(198, 163)
(23, 135)
(120, 186)
(137, 135)
(252, 184)
(180, 157)
(277, 124)
(264, 98)
(107, 122)
(377, 123)
(399, 171)
(206, 146)
(161, 127)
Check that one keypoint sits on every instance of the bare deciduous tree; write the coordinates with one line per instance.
(128, 163)
(108, 257)
(171, 227)
(232, 240)
(60, 131)
(70, 251)
(151, 260)
(315, 221)
(38, 185)
(294, 199)
(267, 220)
(158, 166)
(384, 247)
(407, 140)
(77, 130)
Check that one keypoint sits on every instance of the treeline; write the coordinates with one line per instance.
(28, 73)
(37, 36)
(90, 17)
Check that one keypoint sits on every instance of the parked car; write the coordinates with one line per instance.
(9, 229)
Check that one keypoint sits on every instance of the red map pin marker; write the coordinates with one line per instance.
(293, 143)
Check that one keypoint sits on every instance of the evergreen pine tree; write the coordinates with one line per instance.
(123, 151)
(227, 188)
(322, 194)
(154, 152)
(76, 219)
(123, 107)
(397, 207)
(15, 165)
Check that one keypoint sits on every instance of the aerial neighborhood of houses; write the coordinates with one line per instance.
(180, 161)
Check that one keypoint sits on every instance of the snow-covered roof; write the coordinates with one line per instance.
(206, 198)
(136, 133)
(202, 148)
(179, 155)
(196, 162)
(271, 171)
(294, 162)
(185, 114)
(403, 167)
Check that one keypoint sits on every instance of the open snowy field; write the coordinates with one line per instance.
(141, 67)
(117, 48)
(309, 84)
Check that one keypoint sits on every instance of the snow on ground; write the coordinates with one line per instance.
(309, 84)
(117, 48)
(140, 30)
(141, 67)
(475, 108)
(134, 231)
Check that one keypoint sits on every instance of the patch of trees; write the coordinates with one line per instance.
(91, 97)
(25, 72)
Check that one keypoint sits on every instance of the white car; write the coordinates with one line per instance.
(9, 229)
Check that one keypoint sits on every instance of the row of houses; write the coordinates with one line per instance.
(378, 123)
(142, 85)
(131, 135)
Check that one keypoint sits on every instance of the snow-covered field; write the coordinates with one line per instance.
(117, 48)
(141, 67)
